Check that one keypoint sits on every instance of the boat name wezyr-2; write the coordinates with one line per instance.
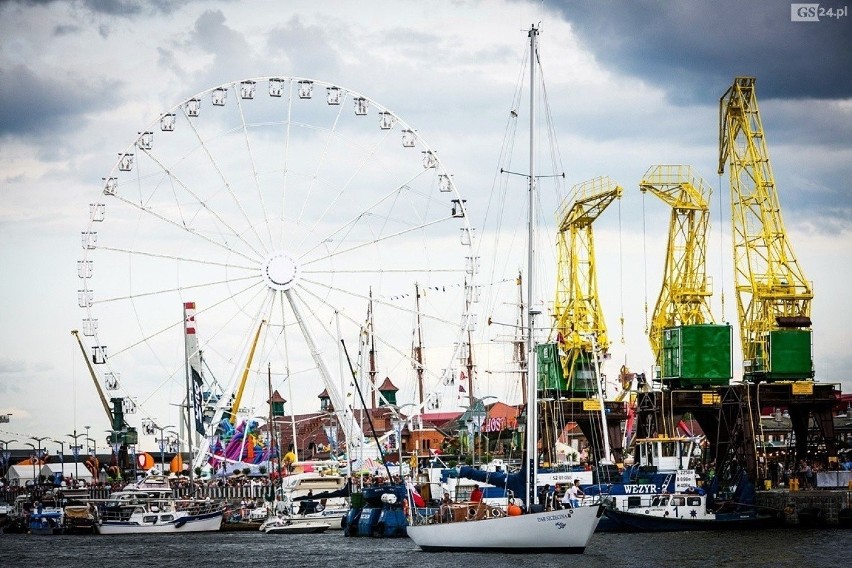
(645, 488)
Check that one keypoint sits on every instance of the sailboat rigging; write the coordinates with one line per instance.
(532, 531)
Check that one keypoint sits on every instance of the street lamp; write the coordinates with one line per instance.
(76, 449)
(61, 453)
(39, 439)
(33, 459)
(398, 422)
(476, 415)
(5, 455)
(116, 439)
(162, 443)
(93, 449)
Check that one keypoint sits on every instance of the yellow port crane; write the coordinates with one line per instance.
(773, 296)
(579, 320)
(689, 349)
(685, 294)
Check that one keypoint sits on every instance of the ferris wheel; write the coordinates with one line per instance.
(285, 209)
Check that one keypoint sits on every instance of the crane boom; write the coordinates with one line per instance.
(578, 313)
(94, 376)
(773, 296)
(685, 293)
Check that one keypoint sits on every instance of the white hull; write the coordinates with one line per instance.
(206, 523)
(567, 530)
(293, 526)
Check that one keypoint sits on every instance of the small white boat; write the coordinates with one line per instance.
(149, 507)
(293, 525)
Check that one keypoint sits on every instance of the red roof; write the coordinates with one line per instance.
(388, 386)
(276, 397)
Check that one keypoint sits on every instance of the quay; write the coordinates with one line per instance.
(810, 507)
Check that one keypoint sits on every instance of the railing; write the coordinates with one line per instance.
(215, 493)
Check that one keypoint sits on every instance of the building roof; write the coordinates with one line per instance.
(387, 385)
(276, 397)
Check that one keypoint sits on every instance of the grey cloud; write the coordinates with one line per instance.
(122, 8)
(694, 49)
(33, 106)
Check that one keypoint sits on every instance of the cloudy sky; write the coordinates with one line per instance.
(629, 84)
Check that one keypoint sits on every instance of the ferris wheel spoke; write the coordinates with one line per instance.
(186, 229)
(203, 143)
(133, 252)
(321, 160)
(254, 174)
(354, 248)
(177, 289)
(348, 225)
(375, 300)
(406, 355)
(148, 336)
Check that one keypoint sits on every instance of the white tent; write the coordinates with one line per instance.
(68, 469)
(20, 474)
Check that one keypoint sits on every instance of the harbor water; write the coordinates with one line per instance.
(776, 548)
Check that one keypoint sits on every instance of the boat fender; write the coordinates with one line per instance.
(179, 523)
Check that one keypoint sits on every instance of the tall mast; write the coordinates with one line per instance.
(418, 346)
(372, 341)
(520, 348)
(271, 431)
(532, 404)
(193, 377)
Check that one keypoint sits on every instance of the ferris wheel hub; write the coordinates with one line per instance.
(280, 270)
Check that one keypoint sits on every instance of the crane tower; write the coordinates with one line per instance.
(579, 318)
(689, 350)
(773, 296)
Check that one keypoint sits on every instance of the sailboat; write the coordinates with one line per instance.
(566, 530)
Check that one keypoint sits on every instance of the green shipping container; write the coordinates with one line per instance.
(697, 355)
(790, 354)
(550, 375)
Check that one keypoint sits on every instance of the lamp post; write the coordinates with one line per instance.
(116, 440)
(476, 415)
(93, 449)
(398, 422)
(61, 454)
(39, 439)
(162, 444)
(33, 459)
(76, 449)
(6, 455)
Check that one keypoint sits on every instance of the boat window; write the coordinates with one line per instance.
(693, 501)
(660, 501)
(678, 501)
(166, 518)
(149, 519)
(634, 501)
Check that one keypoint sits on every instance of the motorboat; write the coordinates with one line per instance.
(293, 525)
(150, 507)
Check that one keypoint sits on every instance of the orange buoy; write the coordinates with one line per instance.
(513, 510)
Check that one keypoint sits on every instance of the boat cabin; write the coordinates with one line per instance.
(664, 453)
